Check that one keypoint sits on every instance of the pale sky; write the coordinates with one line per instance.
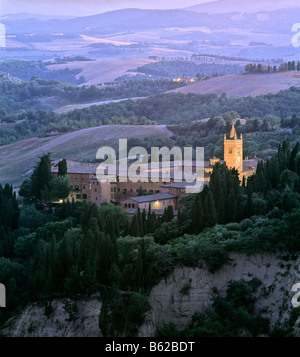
(88, 7)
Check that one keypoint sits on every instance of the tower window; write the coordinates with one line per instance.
(230, 151)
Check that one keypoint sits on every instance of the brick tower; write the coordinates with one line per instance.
(233, 151)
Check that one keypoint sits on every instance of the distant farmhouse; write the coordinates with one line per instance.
(157, 195)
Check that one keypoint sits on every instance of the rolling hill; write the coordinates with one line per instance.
(221, 28)
(17, 160)
(244, 6)
(237, 86)
(96, 72)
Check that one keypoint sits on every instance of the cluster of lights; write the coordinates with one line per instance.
(192, 80)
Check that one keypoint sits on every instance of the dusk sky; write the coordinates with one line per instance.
(88, 7)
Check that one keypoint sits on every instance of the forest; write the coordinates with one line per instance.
(50, 250)
(175, 69)
(17, 96)
(25, 70)
(270, 119)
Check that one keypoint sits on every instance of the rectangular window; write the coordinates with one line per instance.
(96, 198)
(84, 197)
(83, 187)
(95, 190)
(78, 197)
(230, 151)
(133, 205)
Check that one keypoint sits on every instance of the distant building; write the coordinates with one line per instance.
(157, 195)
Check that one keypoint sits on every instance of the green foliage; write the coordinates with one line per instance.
(9, 209)
(185, 290)
(25, 70)
(60, 187)
(62, 167)
(40, 179)
(31, 218)
(122, 313)
(72, 309)
(262, 113)
(229, 316)
(175, 69)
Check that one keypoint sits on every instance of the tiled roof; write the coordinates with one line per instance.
(77, 168)
(181, 184)
(150, 198)
(91, 168)
(159, 212)
(247, 164)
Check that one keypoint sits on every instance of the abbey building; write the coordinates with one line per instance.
(158, 195)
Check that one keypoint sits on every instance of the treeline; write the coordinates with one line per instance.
(268, 113)
(284, 67)
(175, 69)
(125, 89)
(67, 59)
(15, 97)
(25, 70)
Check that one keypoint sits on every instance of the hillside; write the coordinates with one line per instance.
(102, 71)
(128, 33)
(17, 160)
(244, 6)
(169, 304)
(238, 86)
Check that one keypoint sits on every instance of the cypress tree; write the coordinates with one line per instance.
(41, 177)
(209, 210)
(62, 167)
(221, 208)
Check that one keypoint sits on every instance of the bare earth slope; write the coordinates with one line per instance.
(237, 86)
(102, 71)
(17, 160)
(169, 304)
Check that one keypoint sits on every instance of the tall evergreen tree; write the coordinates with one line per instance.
(41, 177)
(62, 167)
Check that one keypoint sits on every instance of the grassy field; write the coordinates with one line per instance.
(102, 71)
(244, 85)
(17, 160)
(70, 107)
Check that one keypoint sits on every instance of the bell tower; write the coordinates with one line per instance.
(233, 150)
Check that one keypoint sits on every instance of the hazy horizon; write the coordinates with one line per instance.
(89, 7)
(93, 7)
